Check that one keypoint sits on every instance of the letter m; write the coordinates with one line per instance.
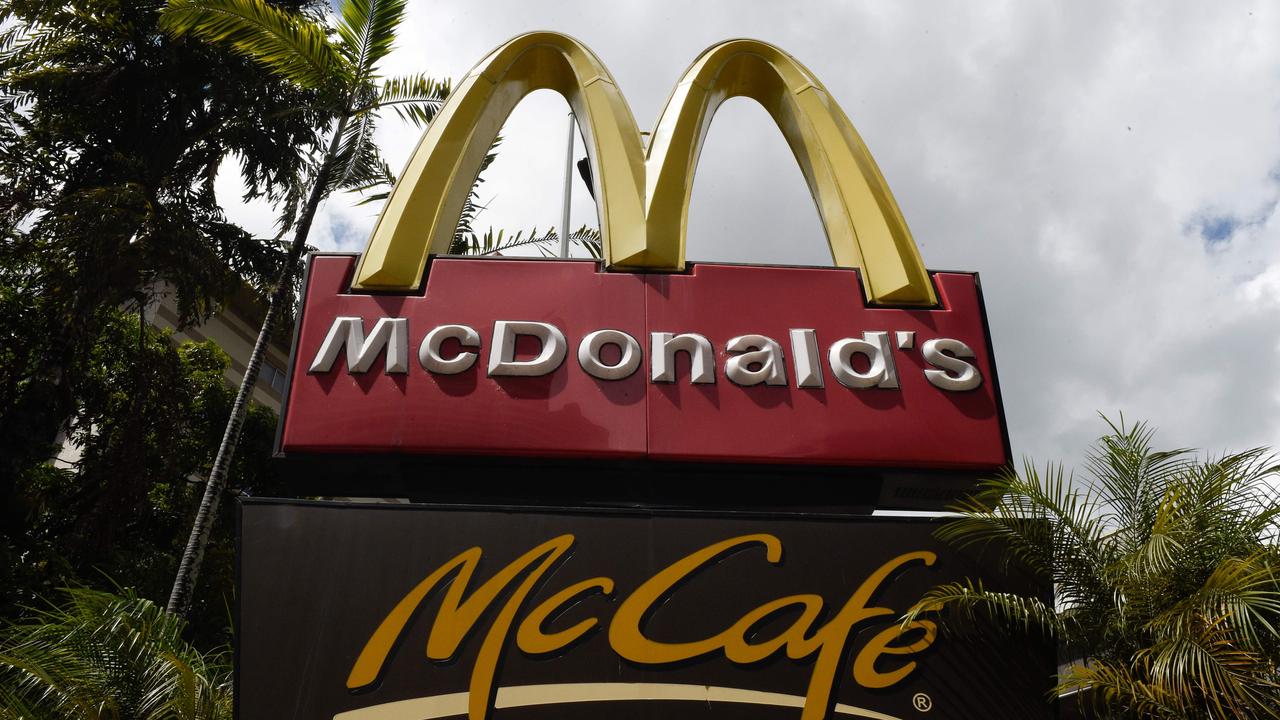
(390, 333)
(457, 617)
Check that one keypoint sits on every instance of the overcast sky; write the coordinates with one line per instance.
(1111, 169)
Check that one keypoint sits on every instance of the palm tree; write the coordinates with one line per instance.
(1165, 570)
(109, 656)
(341, 68)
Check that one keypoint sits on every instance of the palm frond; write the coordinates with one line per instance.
(1160, 550)
(1131, 477)
(104, 655)
(1207, 664)
(1244, 590)
(589, 239)
(285, 43)
(1042, 522)
(28, 46)
(1112, 685)
(357, 163)
(370, 198)
(10, 37)
(415, 98)
(496, 242)
(367, 29)
(969, 601)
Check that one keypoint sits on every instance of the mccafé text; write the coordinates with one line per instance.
(820, 635)
(855, 362)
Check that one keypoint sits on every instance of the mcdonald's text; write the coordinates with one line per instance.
(860, 362)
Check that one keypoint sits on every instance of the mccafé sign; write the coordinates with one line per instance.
(824, 642)
(877, 363)
(378, 612)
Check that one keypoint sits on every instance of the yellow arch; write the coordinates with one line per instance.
(865, 228)
(644, 198)
(422, 212)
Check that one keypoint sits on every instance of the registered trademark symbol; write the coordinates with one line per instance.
(922, 702)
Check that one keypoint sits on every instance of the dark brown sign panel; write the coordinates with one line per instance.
(387, 612)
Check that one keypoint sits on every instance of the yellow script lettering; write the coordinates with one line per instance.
(627, 637)
(864, 665)
(457, 617)
(530, 636)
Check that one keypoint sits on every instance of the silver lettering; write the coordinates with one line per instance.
(804, 357)
(875, 346)
(753, 359)
(755, 350)
(663, 347)
(502, 355)
(956, 375)
(391, 333)
(429, 352)
(589, 354)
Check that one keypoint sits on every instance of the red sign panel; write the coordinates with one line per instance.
(744, 364)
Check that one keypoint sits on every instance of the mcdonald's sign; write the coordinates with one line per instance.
(875, 365)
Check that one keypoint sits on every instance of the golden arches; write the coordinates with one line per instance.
(644, 197)
(421, 214)
(864, 226)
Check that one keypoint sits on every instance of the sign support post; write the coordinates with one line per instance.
(568, 187)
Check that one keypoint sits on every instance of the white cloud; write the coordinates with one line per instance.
(1070, 152)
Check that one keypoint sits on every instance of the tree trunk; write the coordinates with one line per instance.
(189, 567)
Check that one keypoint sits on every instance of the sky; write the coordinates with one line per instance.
(1112, 171)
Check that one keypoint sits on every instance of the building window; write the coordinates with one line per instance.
(273, 376)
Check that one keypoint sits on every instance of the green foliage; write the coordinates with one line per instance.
(149, 419)
(106, 656)
(548, 243)
(338, 61)
(111, 159)
(368, 31)
(405, 95)
(1166, 571)
(297, 51)
(111, 137)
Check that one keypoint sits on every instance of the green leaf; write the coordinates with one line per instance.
(286, 43)
(367, 29)
(357, 163)
(970, 600)
(415, 98)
